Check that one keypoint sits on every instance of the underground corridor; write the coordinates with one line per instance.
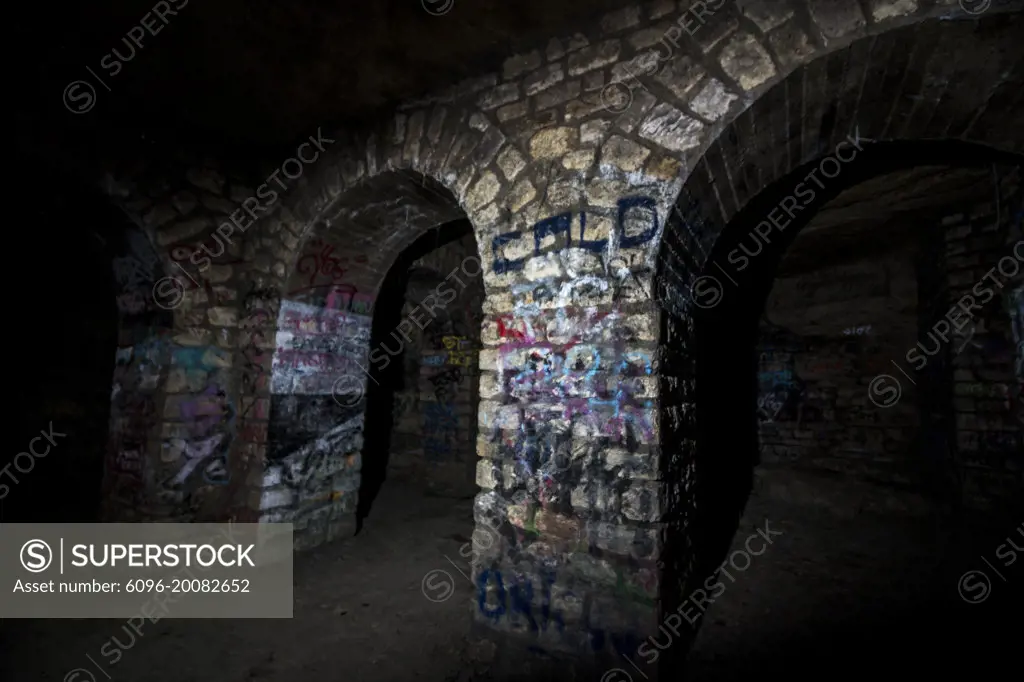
(611, 342)
(835, 364)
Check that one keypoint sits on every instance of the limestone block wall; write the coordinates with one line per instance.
(985, 269)
(316, 420)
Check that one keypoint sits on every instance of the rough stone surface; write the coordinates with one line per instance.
(747, 62)
(584, 377)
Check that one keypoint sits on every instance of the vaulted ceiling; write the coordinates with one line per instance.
(890, 210)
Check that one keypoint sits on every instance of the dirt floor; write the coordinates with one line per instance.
(836, 597)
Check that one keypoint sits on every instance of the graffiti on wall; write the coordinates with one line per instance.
(1016, 306)
(260, 305)
(636, 223)
(315, 347)
(779, 388)
(569, 375)
(323, 271)
(440, 423)
(137, 374)
(446, 383)
(314, 438)
(517, 602)
(457, 350)
(844, 283)
(207, 417)
(440, 428)
(135, 273)
(139, 368)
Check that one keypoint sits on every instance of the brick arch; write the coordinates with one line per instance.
(445, 156)
(906, 93)
(339, 238)
(948, 81)
(442, 160)
(374, 222)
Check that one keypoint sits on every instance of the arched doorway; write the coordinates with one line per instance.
(423, 396)
(829, 126)
(790, 412)
(374, 366)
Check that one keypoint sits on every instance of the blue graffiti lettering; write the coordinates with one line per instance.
(498, 611)
(562, 223)
(520, 601)
(503, 265)
(552, 226)
(596, 246)
(625, 205)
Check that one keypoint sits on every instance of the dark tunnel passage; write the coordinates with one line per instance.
(815, 423)
(394, 388)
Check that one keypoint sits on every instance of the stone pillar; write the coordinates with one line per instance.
(569, 523)
(175, 425)
(317, 411)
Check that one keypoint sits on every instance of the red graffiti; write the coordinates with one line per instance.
(323, 263)
(507, 332)
(335, 323)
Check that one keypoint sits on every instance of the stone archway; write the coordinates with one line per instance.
(330, 368)
(824, 127)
